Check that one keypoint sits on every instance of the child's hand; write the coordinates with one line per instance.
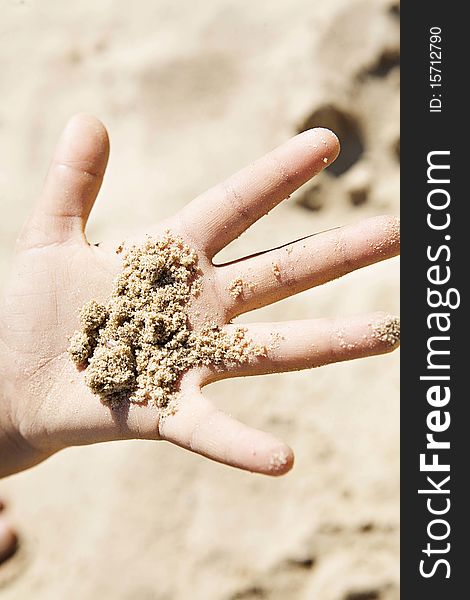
(45, 404)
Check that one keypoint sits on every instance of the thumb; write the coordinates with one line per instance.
(72, 184)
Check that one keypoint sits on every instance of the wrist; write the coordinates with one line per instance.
(16, 454)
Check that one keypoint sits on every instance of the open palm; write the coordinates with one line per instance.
(56, 270)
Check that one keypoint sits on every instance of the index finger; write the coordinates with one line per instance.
(221, 214)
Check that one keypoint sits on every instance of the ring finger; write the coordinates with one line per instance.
(262, 279)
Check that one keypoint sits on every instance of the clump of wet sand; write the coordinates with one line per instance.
(138, 345)
(387, 330)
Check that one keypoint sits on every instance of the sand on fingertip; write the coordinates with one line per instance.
(387, 330)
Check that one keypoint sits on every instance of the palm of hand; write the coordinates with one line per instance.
(56, 271)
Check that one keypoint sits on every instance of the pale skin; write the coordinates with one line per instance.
(45, 404)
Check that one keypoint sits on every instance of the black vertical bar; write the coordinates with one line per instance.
(422, 132)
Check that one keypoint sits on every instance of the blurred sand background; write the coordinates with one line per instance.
(190, 93)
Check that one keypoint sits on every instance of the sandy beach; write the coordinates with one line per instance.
(190, 94)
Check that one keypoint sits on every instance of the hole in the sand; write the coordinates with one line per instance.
(301, 563)
(365, 595)
(358, 196)
(348, 131)
(394, 10)
(251, 593)
(311, 198)
(388, 60)
(396, 149)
